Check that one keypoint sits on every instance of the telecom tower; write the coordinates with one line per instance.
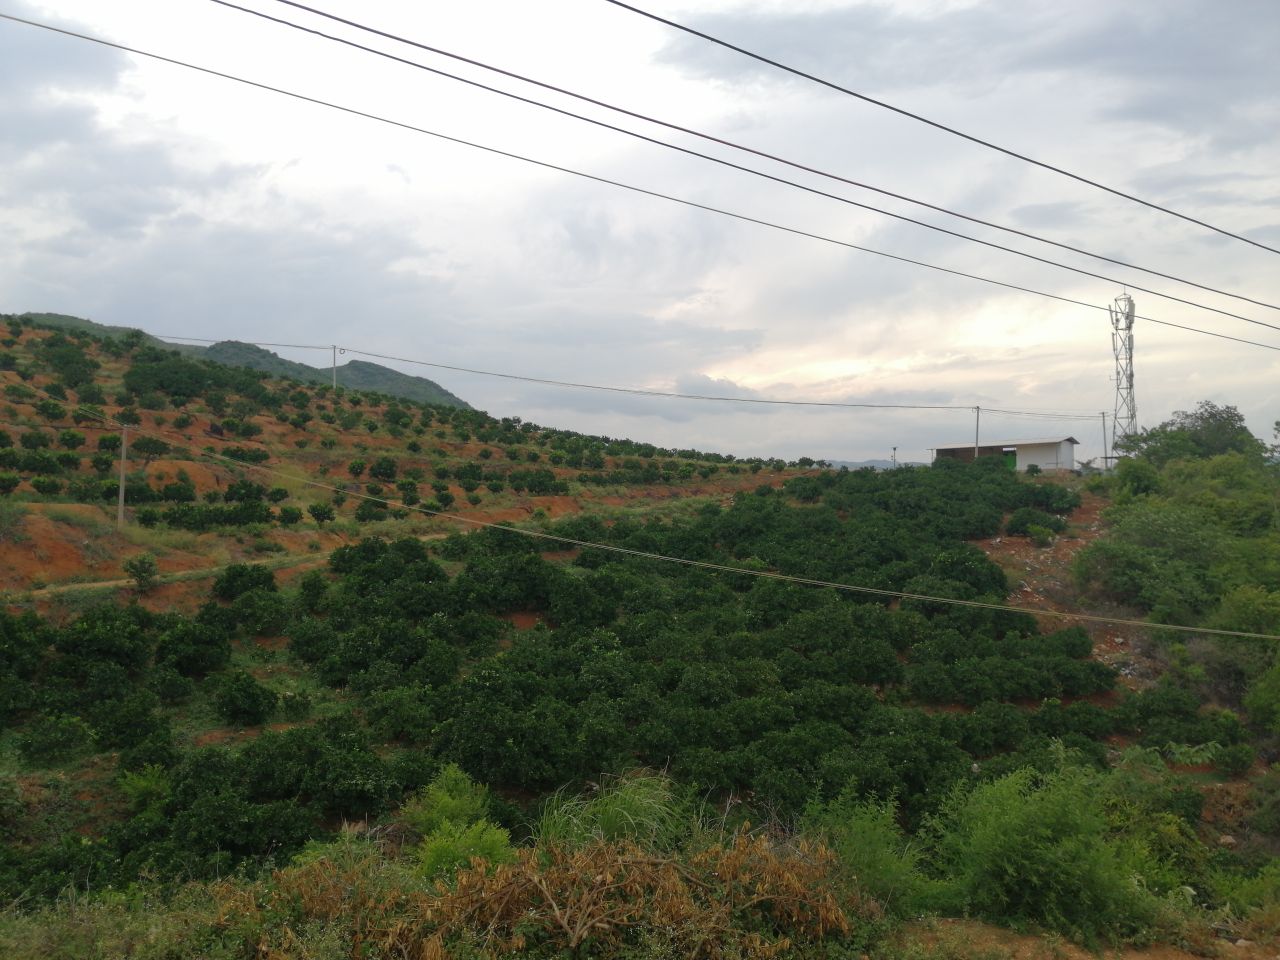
(1124, 422)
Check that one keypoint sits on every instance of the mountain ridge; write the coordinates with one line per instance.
(360, 375)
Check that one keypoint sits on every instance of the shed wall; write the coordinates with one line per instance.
(1047, 456)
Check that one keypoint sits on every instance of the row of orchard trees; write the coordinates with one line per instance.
(745, 688)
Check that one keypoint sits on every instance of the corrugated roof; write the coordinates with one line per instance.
(1004, 443)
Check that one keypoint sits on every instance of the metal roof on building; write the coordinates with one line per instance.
(1004, 443)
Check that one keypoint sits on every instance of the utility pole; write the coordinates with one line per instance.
(124, 455)
(335, 367)
(1105, 457)
(895, 458)
(977, 418)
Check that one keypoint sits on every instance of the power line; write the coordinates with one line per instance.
(940, 126)
(684, 561)
(682, 129)
(640, 391)
(750, 170)
(609, 182)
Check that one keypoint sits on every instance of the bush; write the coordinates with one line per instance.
(321, 513)
(46, 486)
(54, 738)
(9, 482)
(261, 612)
(290, 515)
(143, 570)
(369, 511)
(240, 578)
(1032, 849)
(452, 846)
(1024, 518)
(1234, 761)
(241, 700)
(451, 798)
(1040, 536)
(35, 440)
(868, 839)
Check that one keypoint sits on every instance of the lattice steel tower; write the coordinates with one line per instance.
(1124, 423)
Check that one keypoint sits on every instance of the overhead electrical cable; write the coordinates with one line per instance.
(750, 170)
(684, 561)
(687, 130)
(546, 165)
(940, 126)
(640, 391)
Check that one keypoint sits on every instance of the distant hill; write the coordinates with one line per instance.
(355, 375)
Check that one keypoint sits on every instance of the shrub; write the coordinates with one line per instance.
(1022, 519)
(1032, 849)
(384, 468)
(321, 513)
(1234, 761)
(54, 738)
(868, 840)
(46, 486)
(451, 798)
(9, 482)
(241, 700)
(1040, 536)
(452, 846)
(35, 440)
(370, 510)
(143, 571)
(261, 612)
(71, 439)
(240, 578)
(290, 515)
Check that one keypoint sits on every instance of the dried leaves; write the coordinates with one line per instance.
(752, 897)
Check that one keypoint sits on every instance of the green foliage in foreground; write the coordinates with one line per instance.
(766, 701)
(1194, 538)
(1059, 851)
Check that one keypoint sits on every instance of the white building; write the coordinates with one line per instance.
(1055, 453)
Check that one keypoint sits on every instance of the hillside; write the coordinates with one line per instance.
(365, 677)
(355, 374)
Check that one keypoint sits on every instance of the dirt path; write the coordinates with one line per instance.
(973, 940)
(1040, 579)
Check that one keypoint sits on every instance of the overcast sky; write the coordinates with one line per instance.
(134, 192)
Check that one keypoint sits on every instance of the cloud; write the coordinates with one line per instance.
(115, 212)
